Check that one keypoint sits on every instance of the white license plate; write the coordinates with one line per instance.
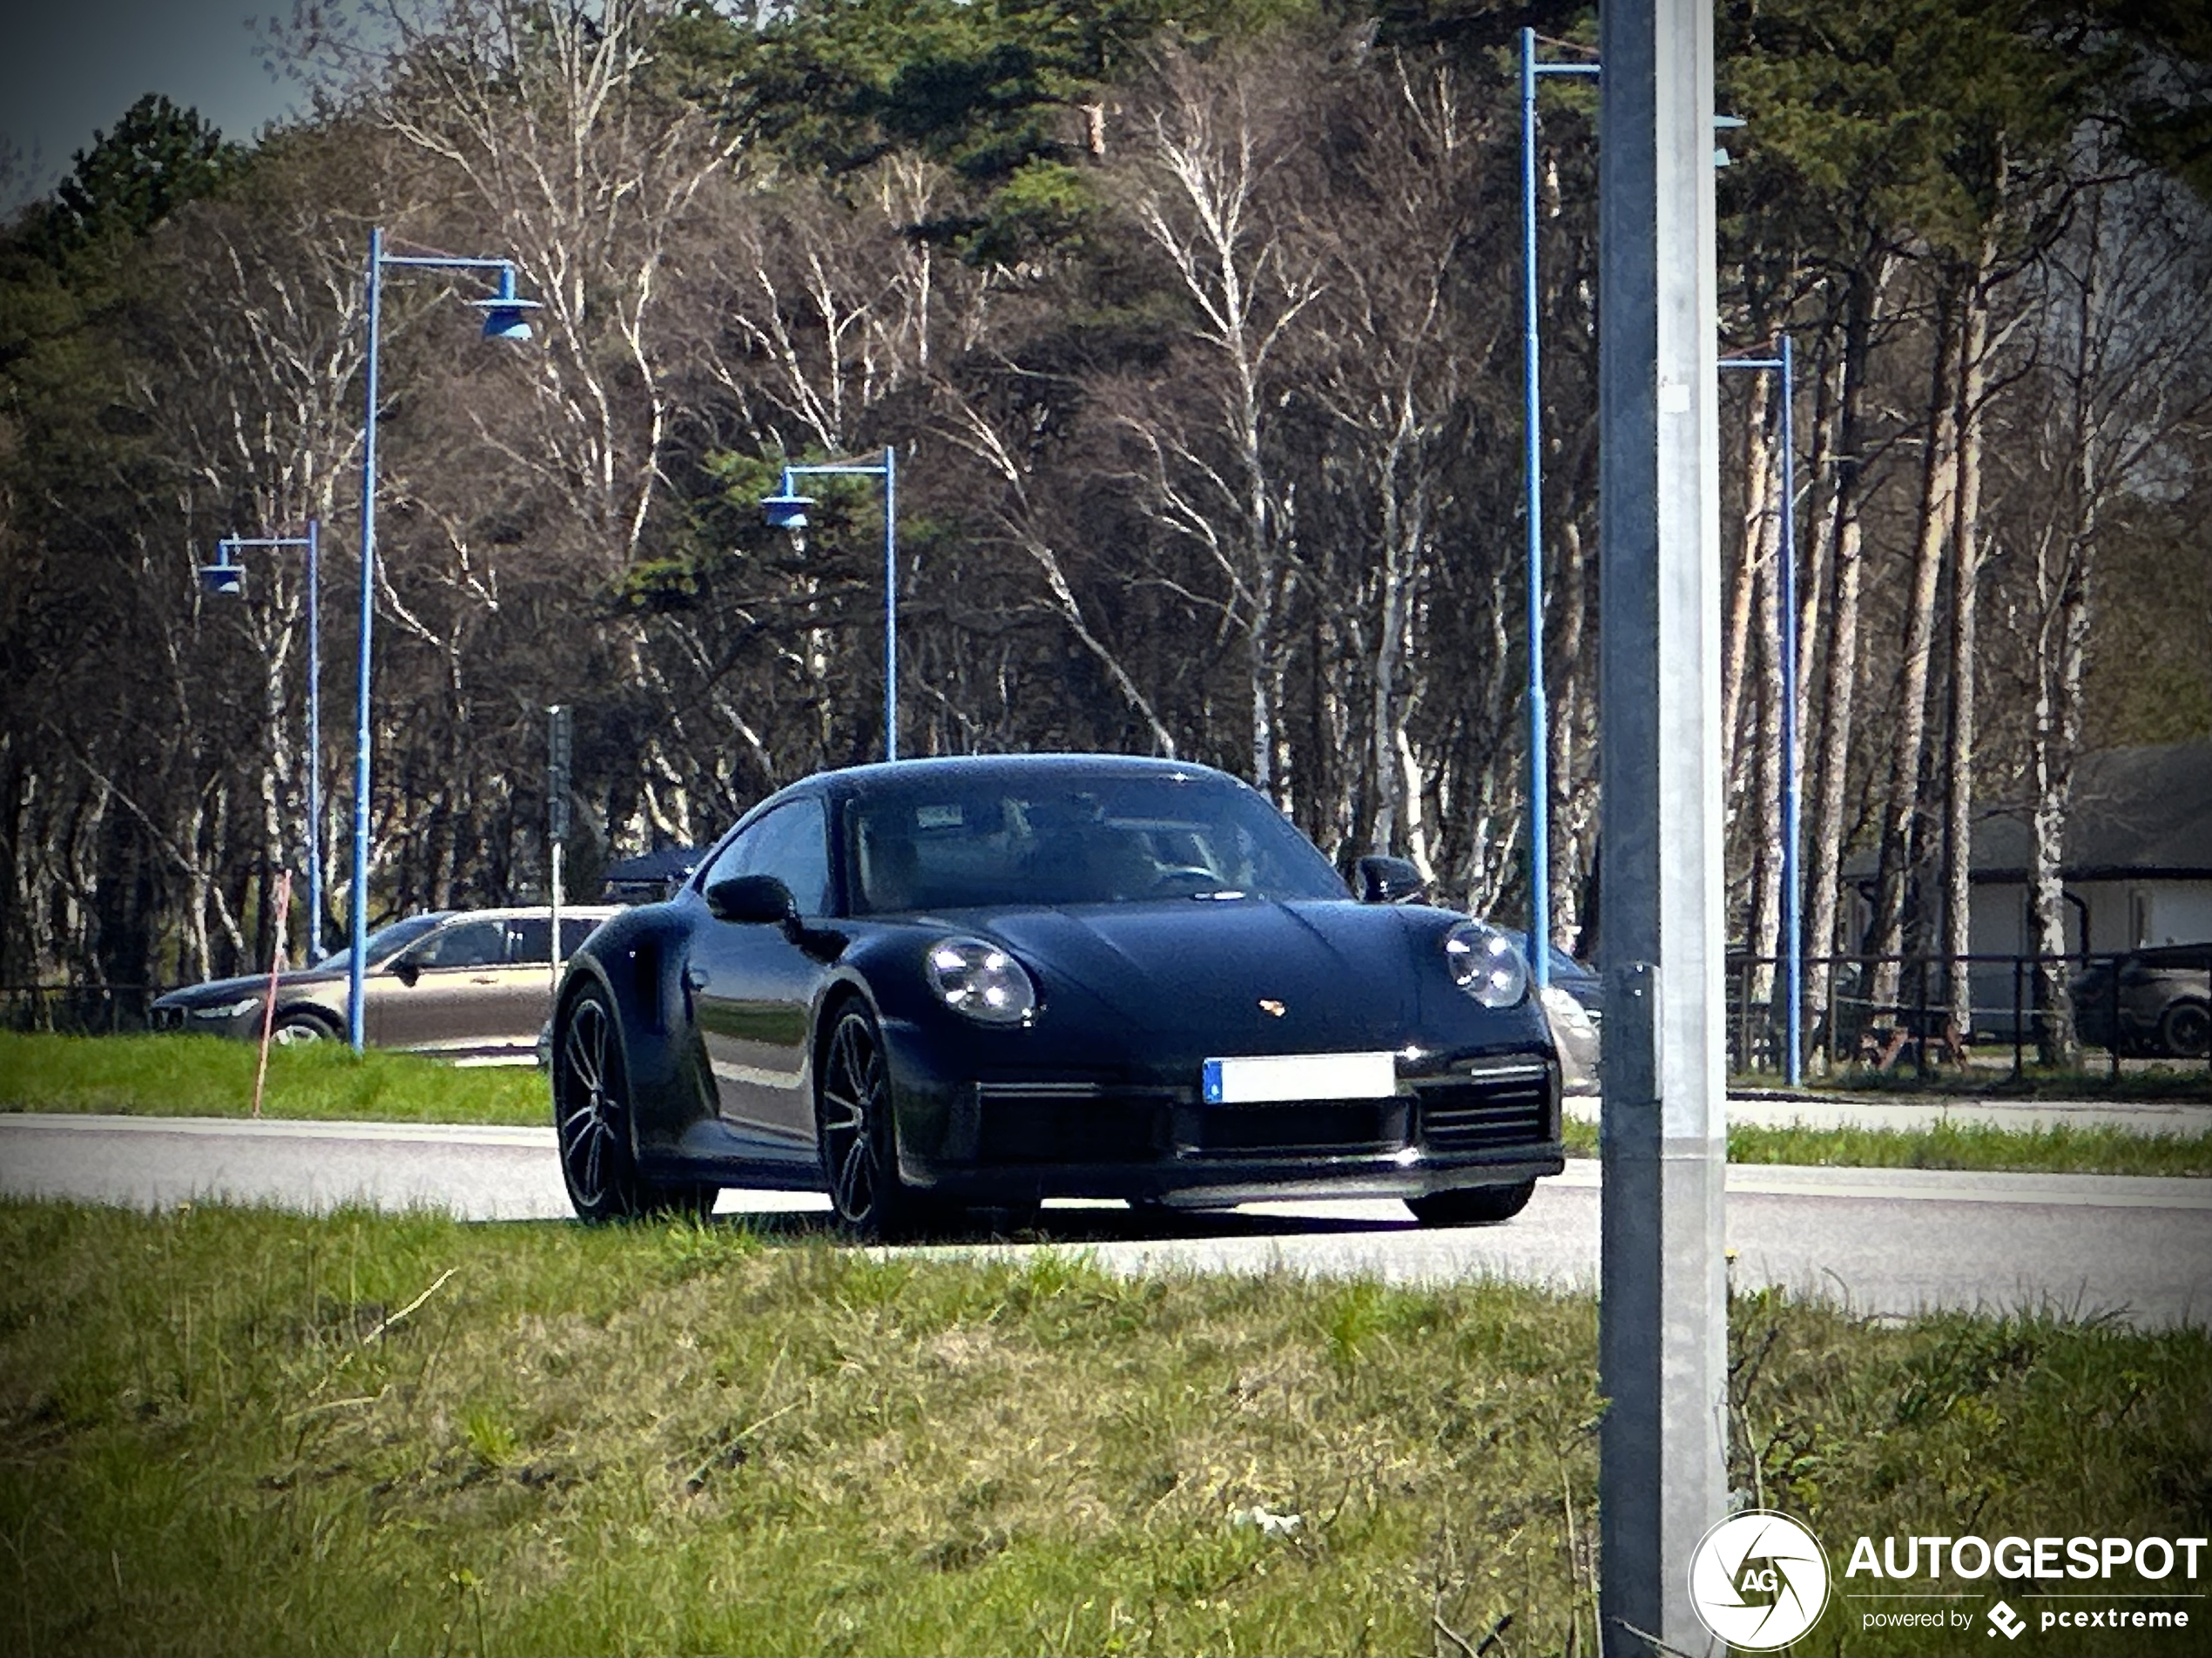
(1259, 1079)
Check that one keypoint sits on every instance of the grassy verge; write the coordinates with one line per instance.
(208, 1076)
(2094, 1149)
(2173, 1079)
(234, 1430)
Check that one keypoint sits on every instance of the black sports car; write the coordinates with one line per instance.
(988, 981)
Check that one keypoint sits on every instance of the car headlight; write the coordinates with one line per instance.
(238, 1009)
(980, 980)
(1485, 964)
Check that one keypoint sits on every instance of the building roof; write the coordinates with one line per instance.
(2136, 812)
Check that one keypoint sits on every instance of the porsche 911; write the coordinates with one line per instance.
(944, 985)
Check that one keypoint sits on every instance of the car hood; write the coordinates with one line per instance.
(215, 992)
(1341, 973)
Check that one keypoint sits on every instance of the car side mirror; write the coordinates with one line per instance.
(752, 901)
(1389, 880)
(407, 971)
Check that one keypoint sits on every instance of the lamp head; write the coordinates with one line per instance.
(225, 580)
(506, 315)
(786, 509)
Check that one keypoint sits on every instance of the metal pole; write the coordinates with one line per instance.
(1532, 413)
(357, 964)
(314, 741)
(1539, 895)
(890, 604)
(1662, 1333)
(1793, 942)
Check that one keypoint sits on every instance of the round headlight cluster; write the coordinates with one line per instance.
(980, 980)
(1485, 964)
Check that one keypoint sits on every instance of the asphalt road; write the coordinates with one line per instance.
(1882, 1241)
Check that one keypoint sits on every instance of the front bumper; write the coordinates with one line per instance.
(1456, 1122)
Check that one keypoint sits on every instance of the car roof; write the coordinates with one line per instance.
(955, 768)
(523, 912)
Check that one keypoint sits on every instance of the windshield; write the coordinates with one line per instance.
(1078, 838)
(386, 942)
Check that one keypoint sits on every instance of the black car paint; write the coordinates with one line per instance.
(686, 986)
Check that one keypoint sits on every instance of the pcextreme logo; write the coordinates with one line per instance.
(1759, 1579)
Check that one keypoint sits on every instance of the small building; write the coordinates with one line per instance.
(2137, 863)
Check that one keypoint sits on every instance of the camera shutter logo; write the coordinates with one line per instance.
(1759, 1579)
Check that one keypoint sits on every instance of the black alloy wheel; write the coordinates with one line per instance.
(1478, 1206)
(853, 1126)
(591, 1120)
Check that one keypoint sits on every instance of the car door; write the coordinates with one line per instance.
(439, 994)
(752, 988)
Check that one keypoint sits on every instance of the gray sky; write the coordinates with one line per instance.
(70, 66)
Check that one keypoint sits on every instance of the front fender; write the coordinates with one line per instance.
(639, 966)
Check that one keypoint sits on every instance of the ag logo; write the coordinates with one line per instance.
(1758, 1580)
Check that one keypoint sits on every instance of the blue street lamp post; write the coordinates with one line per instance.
(787, 509)
(227, 577)
(505, 318)
(1540, 896)
(1783, 363)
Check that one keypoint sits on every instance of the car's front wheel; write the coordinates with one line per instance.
(1478, 1206)
(297, 1025)
(853, 1126)
(2187, 1029)
(591, 1121)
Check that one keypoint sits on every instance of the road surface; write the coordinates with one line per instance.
(1881, 1241)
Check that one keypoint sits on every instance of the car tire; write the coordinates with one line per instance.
(855, 1131)
(297, 1026)
(2187, 1029)
(1476, 1206)
(591, 1120)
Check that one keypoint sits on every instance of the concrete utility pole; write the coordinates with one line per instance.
(1662, 1333)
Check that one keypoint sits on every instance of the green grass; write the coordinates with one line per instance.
(2172, 1079)
(208, 1076)
(2094, 1149)
(238, 1430)
(2099, 1149)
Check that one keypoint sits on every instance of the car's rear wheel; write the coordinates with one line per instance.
(297, 1025)
(1478, 1206)
(591, 1121)
(2187, 1029)
(856, 1130)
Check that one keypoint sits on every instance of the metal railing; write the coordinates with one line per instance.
(1915, 1032)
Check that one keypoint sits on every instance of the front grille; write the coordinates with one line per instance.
(1018, 1125)
(1343, 1126)
(1479, 1114)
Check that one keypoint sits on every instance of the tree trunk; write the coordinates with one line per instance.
(1958, 771)
(1901, 799)
(1843, 535)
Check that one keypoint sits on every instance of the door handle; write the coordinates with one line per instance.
(483, 978)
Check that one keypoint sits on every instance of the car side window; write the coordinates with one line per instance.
(465, 944)
(790, 843)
